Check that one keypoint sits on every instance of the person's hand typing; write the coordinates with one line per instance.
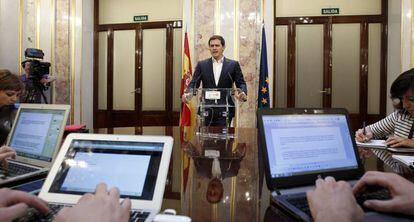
(102, 206)
(14, 204)
(333, 201)
(401, 190)
(395, 141)
(7, 152)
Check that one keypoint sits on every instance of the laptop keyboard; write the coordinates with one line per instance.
(14, 169)
(34, 215)
(301, 203)
(370, 193)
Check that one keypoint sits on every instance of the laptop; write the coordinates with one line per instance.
(137, 165)
(36, 136)
(300, 145)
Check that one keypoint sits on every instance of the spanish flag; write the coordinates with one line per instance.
(185, 118)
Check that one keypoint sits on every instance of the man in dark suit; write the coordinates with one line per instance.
(218, 72)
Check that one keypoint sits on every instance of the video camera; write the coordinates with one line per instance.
(38, 68)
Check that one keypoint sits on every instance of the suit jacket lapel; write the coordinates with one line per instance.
(210, 72)
(223, 71)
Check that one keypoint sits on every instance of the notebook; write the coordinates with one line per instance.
(405, 159)
(137, 165)
(300, 145)
(36, 136)
(401, 149)
(373, 144)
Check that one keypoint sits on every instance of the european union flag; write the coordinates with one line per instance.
(263, 95)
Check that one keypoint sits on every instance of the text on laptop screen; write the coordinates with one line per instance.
(36, 133)
(130, 166)
(308, 144)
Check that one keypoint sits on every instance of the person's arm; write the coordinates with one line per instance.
(102, 206)
(14, 204)
(239, 79)
(193, 85)
(196, 79)
(240, 83)
(333, 201)
(401, 190)
(384, 127)
(380, 129)
(23, 77)
(47, 80)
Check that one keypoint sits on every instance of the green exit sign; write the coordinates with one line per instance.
(330, 11)
(140, 18)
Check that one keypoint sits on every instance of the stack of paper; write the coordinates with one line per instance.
(376, 144)
(405, 159)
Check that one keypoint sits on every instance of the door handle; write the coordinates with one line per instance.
(326, 91)
(137, 90)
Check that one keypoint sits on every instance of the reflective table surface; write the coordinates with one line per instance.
(223, 179)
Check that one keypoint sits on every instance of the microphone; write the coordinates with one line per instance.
(232, 81)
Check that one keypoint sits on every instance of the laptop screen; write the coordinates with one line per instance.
(308, 144)
(36, 132)
(131, 166)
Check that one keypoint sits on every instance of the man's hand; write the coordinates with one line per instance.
(401, 190)
(186, 97)
(14, 204)
(47, 80)
(7, 152)
(104, 206)
(332, 200)
(395, 141)
(241, 96)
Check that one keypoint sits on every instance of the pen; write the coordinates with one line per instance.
(364, 132)
(363, 128)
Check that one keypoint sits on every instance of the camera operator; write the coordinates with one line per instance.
(36, 77)
(32, 84)
(27, 75)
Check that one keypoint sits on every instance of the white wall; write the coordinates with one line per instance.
(85, 93)
(394, 45)
(123, 11)
(406, 34)
(9, 37)
(268, 16)
(84, 44)
(286, 8)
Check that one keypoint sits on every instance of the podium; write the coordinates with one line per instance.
(215, 107)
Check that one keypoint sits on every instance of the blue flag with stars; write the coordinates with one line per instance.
(263, 95)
